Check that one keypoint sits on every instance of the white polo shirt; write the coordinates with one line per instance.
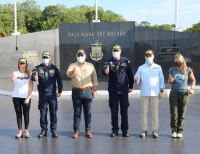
(151, 79)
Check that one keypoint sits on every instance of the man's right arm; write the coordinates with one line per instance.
(34, 74)
(106, 69)
(137, 76)
(71, 70)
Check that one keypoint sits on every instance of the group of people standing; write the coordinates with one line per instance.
(84, 89)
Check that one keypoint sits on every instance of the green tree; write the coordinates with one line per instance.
(144, 24)
(194, 29)
(33, 20)
(147, 24)
(104, 16)
(76, 14)
(52, 16)
(6, 19)
(31, 15)
(163, 27)
(50, 23)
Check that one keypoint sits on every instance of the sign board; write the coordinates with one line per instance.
(167, 53)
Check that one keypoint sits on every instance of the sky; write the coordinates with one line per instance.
(153, 11)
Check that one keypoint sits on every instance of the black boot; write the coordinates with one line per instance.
(42, 134)
(125, 134)
(54, 134)
(114, 134)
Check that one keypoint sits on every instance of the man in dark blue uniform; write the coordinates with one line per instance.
(47, 75)
(120, 83)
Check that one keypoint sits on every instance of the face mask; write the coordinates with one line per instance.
(81, 59)
(45, 61)
(149, 60)
(116, 54)
(178, 64)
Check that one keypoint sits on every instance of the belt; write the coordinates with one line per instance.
(82, 89)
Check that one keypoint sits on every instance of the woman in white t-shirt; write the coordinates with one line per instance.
(22, 96)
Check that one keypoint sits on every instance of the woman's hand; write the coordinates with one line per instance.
(27, 100)
(170, 78)
(190, 91)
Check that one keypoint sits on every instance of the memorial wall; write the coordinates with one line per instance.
(97, 39)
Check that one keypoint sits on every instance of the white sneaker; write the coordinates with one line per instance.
(155, 134)
(179, 135)
(143, 134)
(174, 135)
(19, 134)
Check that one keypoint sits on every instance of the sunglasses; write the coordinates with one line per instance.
(148, 55)
(80, 55)
(115, 50)
(22, 63)
(45, 57)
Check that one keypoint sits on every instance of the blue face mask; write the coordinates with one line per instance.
(45, 61)
(116, 54)
(81, 59)
(149, 60)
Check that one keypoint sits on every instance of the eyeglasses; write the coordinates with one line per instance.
(45, 57)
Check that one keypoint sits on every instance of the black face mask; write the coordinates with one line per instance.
(178, 64)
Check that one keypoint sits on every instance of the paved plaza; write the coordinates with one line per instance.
(102, 143)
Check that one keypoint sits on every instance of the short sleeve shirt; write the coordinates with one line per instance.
(180, 79)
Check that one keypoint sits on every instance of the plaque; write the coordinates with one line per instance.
(167, 53)
(96, 51)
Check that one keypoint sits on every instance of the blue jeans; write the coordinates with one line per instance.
(82, 98)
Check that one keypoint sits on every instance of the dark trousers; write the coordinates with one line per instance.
(115, 100)
(20, 107)
(44, 103)
(178, 105)
(82, 98)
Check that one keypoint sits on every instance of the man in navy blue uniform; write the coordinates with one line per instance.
(47, 76)
(120, 83)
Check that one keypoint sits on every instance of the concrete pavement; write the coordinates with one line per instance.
(101, 127)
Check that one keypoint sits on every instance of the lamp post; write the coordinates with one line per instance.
(16, 33)
(96, 12)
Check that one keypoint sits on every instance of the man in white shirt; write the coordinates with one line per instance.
(152, 83)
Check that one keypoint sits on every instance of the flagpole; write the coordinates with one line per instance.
(15, 33)
(96, 12)
(15, 16)
(176, 15)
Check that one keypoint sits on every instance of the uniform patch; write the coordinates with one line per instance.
(123, 64)
(41, 71)
(51, 72)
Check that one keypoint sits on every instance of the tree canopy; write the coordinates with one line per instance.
(31, 18)
(147, 24)
(195, 28)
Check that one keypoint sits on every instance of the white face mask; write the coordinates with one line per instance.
(149, 60)
(81, 59)
(116, 54)
(45, 61)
